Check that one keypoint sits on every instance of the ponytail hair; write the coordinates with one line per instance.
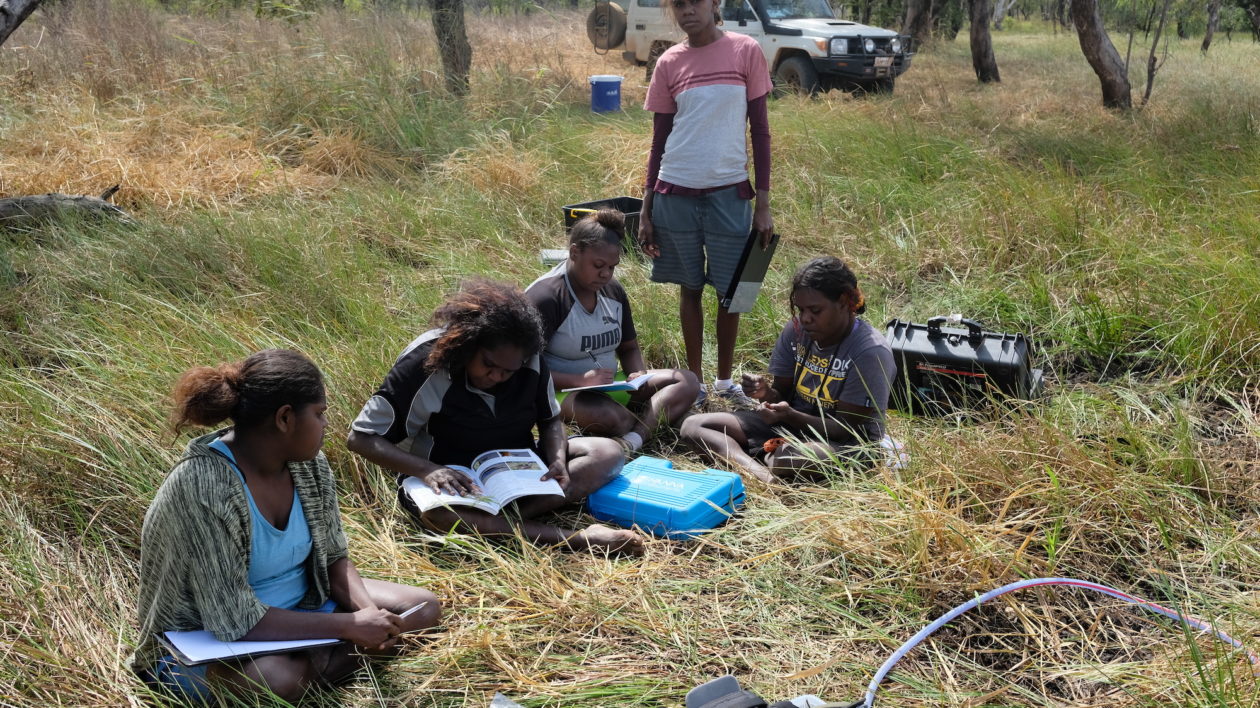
(247, 392)
(831, 277)
(607, 226)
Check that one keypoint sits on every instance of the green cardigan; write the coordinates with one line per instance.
(195, 546)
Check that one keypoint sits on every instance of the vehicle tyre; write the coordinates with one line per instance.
(606, 25)
(797, 74)
(658, 48)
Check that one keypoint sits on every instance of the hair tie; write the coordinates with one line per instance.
(861, 301)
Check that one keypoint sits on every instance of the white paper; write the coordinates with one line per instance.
(200, 646)
(427, 499)
(745, 297)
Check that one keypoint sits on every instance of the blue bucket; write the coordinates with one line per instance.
(605, 93)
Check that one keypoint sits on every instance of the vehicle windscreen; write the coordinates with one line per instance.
(797, 9)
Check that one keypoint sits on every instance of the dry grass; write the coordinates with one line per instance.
(119, 94)
(165, 158)
(307, 184)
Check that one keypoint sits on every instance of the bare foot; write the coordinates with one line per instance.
(601, 537)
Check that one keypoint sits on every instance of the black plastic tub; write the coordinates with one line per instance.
(630, 206)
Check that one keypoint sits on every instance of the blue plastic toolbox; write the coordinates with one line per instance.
(651, 494)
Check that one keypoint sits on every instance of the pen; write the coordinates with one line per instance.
(408, 612)
(591, 354)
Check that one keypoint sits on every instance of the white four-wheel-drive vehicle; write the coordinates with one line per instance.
(807, 47)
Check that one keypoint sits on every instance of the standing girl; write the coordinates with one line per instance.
(696, 215)
(244, 539)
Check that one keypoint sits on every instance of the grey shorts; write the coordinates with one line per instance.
(700, 237)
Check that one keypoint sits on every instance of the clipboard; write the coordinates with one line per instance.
(749, 274)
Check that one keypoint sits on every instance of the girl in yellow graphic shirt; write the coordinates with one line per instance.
(828, 392)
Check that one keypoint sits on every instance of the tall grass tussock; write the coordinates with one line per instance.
(309, 184)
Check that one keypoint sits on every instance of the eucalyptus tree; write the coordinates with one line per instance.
(453, 46)
(982, 58)
(1213, 18)
(1000, 8)
(1101, 54)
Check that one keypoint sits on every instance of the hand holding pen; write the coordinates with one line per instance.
(597, 376)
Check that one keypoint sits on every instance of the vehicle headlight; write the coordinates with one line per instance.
(895, 45)
(839, 45)
(868, 45)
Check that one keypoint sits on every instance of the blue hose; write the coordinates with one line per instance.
(944, 619)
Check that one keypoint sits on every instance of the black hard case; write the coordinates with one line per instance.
(630, 206)
(943, 369)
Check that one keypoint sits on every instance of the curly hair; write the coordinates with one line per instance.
(484, 314)
(831, 277)
(248, 392)
(606, 226)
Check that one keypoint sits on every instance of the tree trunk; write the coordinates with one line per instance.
(1152, 66)
(26, 212)
(453, 46)
(1101, 54)
(14, 13)
(1128, 52)
(1000, 8)
(918, 22)
(982, 43)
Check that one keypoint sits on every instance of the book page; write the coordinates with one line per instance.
(507, 475)
(427, 499)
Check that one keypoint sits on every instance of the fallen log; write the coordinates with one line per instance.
(32, 210)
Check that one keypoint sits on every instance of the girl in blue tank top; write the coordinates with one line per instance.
(244, 540)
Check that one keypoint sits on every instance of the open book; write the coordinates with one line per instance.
(614, 386)
(503, 475)
(201, 647)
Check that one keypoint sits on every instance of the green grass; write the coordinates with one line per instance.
(322, 193)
